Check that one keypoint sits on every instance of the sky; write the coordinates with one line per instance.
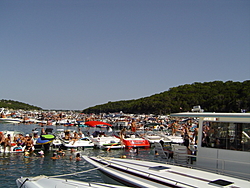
(61, 54)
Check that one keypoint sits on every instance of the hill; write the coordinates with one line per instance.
(15, 105)
(216, 96)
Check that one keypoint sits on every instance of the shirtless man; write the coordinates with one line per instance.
(2, 138)
(7, 142)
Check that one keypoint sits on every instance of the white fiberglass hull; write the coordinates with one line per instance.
(139, 173)
(12, 149)
(78, 144)
(106, 142)
(47, 182)
(10, 120)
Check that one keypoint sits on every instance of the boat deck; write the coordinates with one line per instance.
(152, 174)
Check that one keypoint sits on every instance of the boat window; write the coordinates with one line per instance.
(225, 135)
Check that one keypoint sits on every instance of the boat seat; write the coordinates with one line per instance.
(180, 154)
(162, 153)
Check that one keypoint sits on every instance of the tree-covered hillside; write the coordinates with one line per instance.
(216, 96)
(15, 105)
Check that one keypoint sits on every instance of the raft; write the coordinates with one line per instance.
(45, 139)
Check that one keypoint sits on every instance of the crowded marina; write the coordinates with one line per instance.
(184, 144)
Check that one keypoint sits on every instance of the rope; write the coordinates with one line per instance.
(73, 173)
(24, 182)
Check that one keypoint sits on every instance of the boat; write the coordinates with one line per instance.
(102, 135)
(153, 136)
(135, 142)
(107, 142)
(50, 182)
(14, 148)
(132, 140)
(216, 165)
(173, 139)
(45, 140)
(10, 120)
(81, 142)
(6, 117)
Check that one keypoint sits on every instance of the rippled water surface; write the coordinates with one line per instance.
(14, 165)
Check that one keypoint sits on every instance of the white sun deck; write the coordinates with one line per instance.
(152, 174)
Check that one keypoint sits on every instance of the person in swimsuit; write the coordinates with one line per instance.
(29, 144)
(7, 142)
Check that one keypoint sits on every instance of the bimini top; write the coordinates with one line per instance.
(211, 114)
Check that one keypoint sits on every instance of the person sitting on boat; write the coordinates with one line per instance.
(67, 136)
(7, 142)
(102, 134)
(96, 133)
(18, 140)
(81, 135)
(29, 144)
(75, 138)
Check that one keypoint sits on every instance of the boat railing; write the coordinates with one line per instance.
(220, 166)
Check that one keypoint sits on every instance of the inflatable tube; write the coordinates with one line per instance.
(47, 137)
(41, 141)
(18, 148)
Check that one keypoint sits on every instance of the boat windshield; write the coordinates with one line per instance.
(225, 135)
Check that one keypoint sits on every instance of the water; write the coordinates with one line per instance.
(14, 165)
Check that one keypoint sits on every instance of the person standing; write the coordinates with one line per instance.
(7, 142)
(2, 138)
(133, 126)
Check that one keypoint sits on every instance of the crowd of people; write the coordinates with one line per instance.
(19, 140)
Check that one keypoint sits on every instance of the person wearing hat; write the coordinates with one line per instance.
(26, 154)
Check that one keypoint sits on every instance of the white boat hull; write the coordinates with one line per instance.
(136, 173)
(10, 120)
(12, 149)
(44, 181)
(107, 142)
(78, 144)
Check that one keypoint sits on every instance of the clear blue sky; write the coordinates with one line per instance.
(61, 54)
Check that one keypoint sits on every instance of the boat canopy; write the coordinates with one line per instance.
(96, 123)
